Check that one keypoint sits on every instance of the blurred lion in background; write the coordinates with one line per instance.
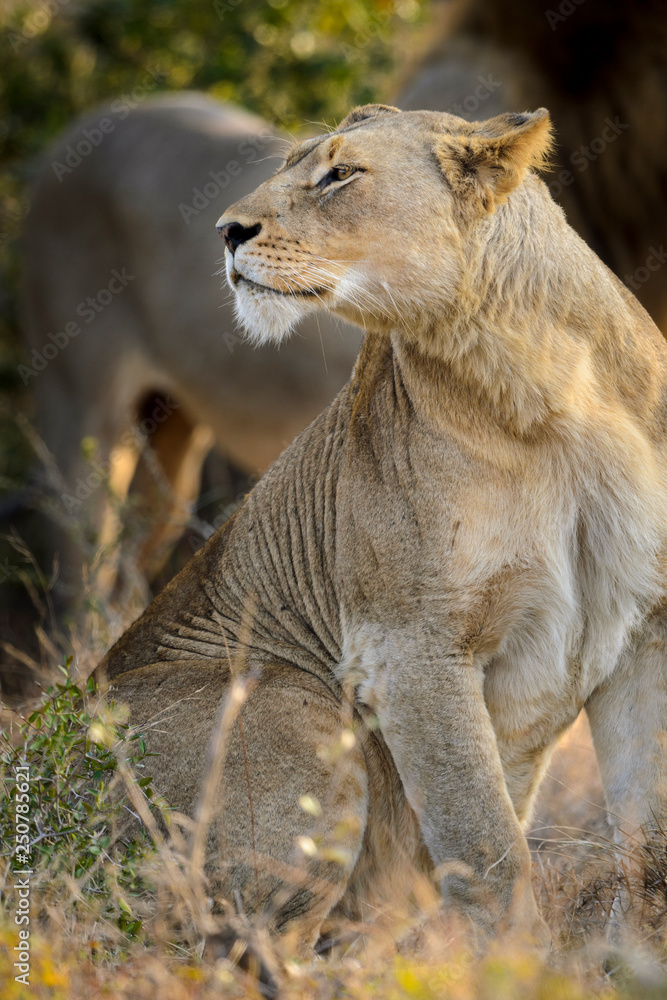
(132, 342)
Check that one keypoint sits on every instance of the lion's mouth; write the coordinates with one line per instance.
(236, 278)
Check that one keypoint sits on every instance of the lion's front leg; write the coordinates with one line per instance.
(434, 720)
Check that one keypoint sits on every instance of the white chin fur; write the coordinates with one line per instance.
(267, 318)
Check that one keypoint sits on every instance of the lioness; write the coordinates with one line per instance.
(470, 541)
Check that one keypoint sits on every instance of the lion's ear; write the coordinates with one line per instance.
(367, 111)
(490, 159)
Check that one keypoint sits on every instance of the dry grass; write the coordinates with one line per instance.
(78, 952)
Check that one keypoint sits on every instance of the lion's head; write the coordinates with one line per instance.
(377, 218)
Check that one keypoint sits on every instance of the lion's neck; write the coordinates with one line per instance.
(540, 329)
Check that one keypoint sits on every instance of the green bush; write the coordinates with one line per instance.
(75, 803)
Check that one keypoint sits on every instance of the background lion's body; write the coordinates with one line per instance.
(168, 328)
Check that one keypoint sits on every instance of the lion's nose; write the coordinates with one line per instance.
(234, 234)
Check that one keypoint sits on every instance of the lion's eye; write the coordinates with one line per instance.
(342, 172)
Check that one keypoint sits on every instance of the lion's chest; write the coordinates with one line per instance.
(551, 572)
(540, 568)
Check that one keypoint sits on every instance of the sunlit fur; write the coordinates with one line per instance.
(266, 318)
(378, 276)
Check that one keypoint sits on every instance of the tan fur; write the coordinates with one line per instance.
(470, 541)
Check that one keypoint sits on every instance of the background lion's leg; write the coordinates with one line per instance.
(163, 490)
(84, 486)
